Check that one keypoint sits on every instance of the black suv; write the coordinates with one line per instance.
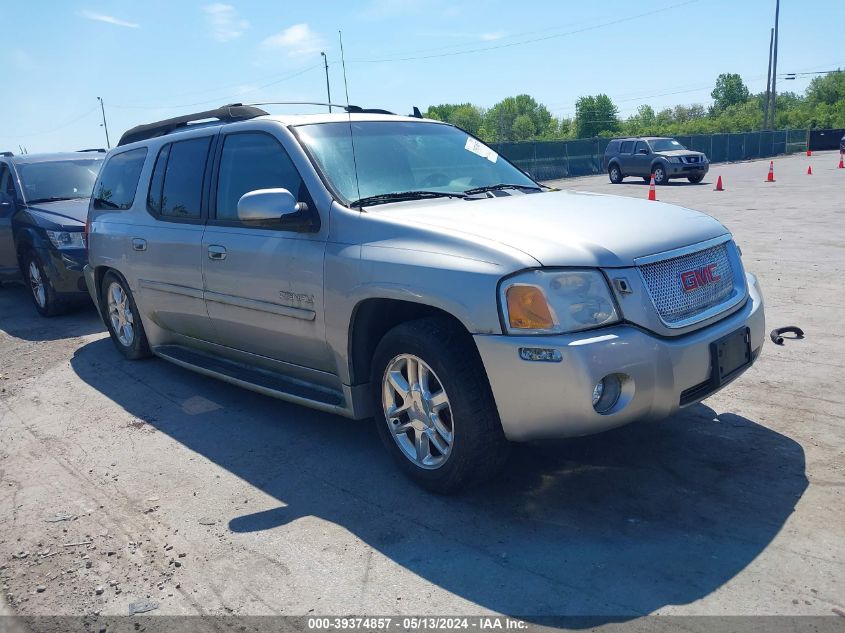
(43, 208)
(664, 157)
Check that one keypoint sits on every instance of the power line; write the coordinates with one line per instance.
(523, 42)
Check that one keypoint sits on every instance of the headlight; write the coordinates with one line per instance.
(556, 301)
(675, 159)
(66, 239)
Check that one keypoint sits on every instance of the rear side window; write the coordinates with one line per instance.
(176, 183)
(252, 161)
(627, 146)
(612, 147)
(118, 181)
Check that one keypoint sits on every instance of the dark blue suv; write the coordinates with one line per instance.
(43, 209)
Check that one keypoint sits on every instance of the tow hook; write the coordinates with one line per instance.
(778, 332)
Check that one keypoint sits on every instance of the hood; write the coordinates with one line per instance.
(680, 152)
(68, 213)
(567, 228)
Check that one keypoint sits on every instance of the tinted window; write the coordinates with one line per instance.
(612, 147)
(640, 145)
(181, 193)
(157, 181)
(118, 181)
(7, 185)
(627, 146)
(254, 161)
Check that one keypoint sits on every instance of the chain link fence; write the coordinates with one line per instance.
(548, 160)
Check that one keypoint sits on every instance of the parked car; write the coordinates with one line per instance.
(415, 276)
(43, 206)
(664, 157)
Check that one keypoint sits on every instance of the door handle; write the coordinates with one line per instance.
(138, 244)
(216, 253)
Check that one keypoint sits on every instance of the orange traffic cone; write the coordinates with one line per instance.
(771, 176)
(841, 161)
(809, 152)
(810, 170)
(652, 192)
(719, 184)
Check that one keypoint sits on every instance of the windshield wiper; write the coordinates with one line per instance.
(400, 196)
(55, 199)
(499, 187)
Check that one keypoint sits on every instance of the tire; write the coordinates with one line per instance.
(467, 425)
(120, 311)
(44, 297)
(696, 179)
(661, 176)
(615, 174)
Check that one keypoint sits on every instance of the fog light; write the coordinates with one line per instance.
(606, 393)
(542, 354)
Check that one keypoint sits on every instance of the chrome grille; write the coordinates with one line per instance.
(673, 303)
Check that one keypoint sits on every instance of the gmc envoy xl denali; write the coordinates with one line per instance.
(375, 265)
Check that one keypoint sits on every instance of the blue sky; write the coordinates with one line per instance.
(154, 59)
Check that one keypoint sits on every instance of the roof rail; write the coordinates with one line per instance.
(6, 154)
(353, 109)
(96, 149)
(224, 114)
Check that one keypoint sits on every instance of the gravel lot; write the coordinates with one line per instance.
(123, 482)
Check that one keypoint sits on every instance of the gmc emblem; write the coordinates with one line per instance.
(699, 277)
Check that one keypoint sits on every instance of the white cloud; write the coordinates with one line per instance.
(489, 37)
(223, 22)
(297, 40)
(108, 19)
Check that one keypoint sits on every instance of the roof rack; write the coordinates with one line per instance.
(6, 154)
(96, 149)
(224, 114)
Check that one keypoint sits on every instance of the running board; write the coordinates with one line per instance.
(264, 382)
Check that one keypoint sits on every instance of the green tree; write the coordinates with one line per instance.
(595, 115)
(829, 89)
(501, 119)
(465, 115)
(729, 90)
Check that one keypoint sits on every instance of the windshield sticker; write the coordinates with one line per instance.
(477, 147)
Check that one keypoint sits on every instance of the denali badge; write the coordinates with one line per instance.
(699, 277)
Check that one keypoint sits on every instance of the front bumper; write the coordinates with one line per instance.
(546, 399)
(684, 170)
(64, 268)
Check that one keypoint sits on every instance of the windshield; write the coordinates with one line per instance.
(395, 157)
(665, 145)
(59, 179)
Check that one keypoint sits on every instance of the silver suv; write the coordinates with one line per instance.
(369, 264)
(664, 157)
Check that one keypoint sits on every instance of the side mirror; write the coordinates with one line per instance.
(643, 151)
(263, 205)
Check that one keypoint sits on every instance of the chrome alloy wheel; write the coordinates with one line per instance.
(36, 283)
(417, 411)
(120, 314)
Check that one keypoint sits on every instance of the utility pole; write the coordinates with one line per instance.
(768, 82)
(328, 88)
(105, 127)
(775, 67)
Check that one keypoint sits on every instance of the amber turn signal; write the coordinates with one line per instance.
(528, 309)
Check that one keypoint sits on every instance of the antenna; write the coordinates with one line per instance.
(349, 114)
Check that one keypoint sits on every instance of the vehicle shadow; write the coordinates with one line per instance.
(612, 526)
(672, 183)
(18, 317)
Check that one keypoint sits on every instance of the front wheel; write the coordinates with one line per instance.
(47, 303)
(661, 176)
(122, 318)
(436, 413)
(696, 179)
(615, 174)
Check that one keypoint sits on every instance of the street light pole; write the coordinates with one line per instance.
(105, 126)
(768, 82)
(775, 68)
(328, 88)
